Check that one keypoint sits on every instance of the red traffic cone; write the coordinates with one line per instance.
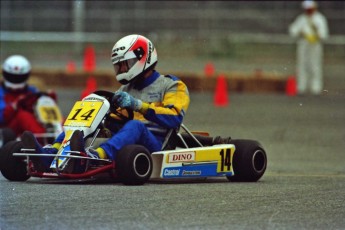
(221, 92)
(291, 88)
(70, 67)
(89, 59)
(91, 86)
(209, 69)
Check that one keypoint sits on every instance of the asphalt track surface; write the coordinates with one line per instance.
(303, 187)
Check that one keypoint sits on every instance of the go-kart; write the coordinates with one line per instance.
(47, 113)
(184, 154)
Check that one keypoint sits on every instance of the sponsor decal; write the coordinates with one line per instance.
(93, 99)
(191, 172)
(155, 96)
(171, 172)
(61, 152)
(181, 157)
(150, 52)
(118, 49)
(194, 170)
(78, 124)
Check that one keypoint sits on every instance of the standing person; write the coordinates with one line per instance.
(311, 29)
(159, 101)
(14, 109)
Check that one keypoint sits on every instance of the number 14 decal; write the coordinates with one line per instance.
(225, 160)
(85, 115)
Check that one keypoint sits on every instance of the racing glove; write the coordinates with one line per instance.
(125, 100)
(27, 103)
(19, 103)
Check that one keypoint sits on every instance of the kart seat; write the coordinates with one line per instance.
(171, 140)
(186, 139)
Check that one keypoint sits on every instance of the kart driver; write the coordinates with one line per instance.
(14, 109)
(159, 101)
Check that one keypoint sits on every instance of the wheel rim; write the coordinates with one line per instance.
(142, 164)
(259, 161)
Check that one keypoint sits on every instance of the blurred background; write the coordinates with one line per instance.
(236, 36)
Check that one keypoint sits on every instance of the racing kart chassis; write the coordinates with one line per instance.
(184, 154)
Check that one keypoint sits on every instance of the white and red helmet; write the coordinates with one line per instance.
(16, 71)
(137, 52)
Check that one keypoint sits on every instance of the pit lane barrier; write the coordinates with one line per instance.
(255, 82)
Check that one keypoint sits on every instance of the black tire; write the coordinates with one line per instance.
(134, 165)
(13, 168)
(7, 136)
(249, 161)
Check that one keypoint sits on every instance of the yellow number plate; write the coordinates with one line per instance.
(49, 114)
(83, 113)
(222, 156)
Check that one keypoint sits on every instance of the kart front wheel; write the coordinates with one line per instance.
(6, 136)
(134, 165)
(13, 168)
(249, 161)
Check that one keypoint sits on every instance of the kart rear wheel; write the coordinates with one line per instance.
(13, 168)
(134, 165)
(249, 161)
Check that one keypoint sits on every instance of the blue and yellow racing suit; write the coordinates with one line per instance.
(168, 100)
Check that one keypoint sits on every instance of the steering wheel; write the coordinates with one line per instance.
(124, 114)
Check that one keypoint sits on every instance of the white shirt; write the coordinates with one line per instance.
(303, 25)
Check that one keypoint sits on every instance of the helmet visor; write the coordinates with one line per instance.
(15, 78)
(124, 66)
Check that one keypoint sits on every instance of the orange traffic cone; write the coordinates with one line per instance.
(209, 69)
(89, 59)
(70, 67)
(221, 93)
(91, 86)
(291, 88)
